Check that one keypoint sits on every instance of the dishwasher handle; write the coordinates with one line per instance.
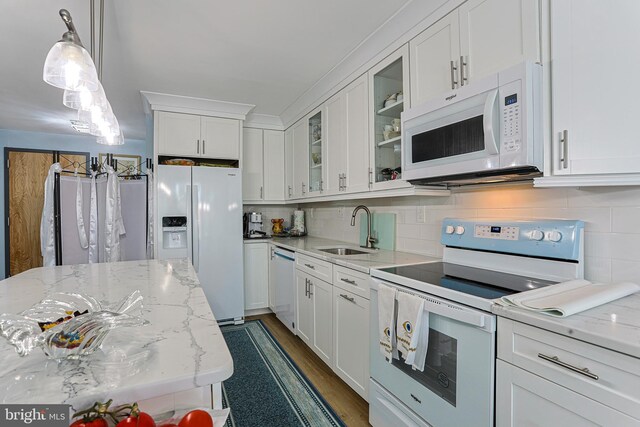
(278, 254)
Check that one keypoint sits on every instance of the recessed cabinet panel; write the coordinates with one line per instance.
(178, 134)
(356, 173)
(220, 138)
(435, 60)
(594, 87)
(288, 164)
(300, 159)
(256, 275)
(316, 153)
(336, 162)
(252, 165)
(273, 166)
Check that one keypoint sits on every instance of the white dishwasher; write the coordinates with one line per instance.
(282, 274)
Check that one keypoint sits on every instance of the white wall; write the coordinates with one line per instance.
(612, 217)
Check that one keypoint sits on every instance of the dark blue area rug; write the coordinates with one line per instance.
(267, 388)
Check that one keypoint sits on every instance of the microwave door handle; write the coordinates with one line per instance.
(490, 124)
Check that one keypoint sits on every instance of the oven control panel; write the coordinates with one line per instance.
(559, 239)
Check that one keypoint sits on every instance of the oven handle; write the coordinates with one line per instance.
(450, 310)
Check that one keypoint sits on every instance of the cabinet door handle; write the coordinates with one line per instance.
(306, 287)
(370, 177)
(313, 267)
(350, 299)
(463, 64)
(272, 252)
(454, 68)
(289, 190)
(204, 147)
(349, 281)
(415, 398)
(339, 182)
(303, 192)
(261, 190)
(557, 361)
(321, 186)
(344, 182)
(310, 285)
(198, 146)
(564, 149)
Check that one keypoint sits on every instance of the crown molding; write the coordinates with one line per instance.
(263, 121)
(154, 101)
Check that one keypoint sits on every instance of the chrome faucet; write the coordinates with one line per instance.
(370, 240)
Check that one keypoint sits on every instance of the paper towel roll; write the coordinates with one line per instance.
(298, 221)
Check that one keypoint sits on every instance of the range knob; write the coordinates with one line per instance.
(459, 229)
(554, 236)
(449, 229)
(536, 235)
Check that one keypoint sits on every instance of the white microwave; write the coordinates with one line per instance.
(487, 131)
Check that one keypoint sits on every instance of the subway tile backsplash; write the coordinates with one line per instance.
(611, 215)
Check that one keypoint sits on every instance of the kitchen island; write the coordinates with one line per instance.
(178, 360)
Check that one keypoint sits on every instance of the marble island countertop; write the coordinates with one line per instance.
(181, 348)
(378, 258)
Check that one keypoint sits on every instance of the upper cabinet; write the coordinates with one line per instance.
(198, 136)
(388, 96)
(594, 108)
(262, 165)
(288, 164)
(479, 38)
(300, 159)
(316, 151)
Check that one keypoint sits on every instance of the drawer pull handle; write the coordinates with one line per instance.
(415, 398)
(349, 281)
(557, 361)
(313, 267)
(350, 299)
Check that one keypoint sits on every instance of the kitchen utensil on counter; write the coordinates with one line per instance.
(298, 222)
(278, 225)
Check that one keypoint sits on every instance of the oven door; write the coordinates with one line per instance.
(457, 385)
(458, 138)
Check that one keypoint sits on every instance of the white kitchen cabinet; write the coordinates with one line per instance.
(272, 280)
(351, 339)
(525, 399)
(594, 87)
(300, 163)
(479, 38)
(336, 162)
(220, 137)
(178, 134)
(304, 314)
(256, 275)
(262, 165)
(496, 34)
(288, 163)
(314, 323)
(198, 136)
(317, 153)
(321, 295)
(435, 58)
(389, 76)
(252, 165)
(356, 174)
(544, 378)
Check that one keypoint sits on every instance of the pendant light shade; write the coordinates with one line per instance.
(101, 122)
(69, 66)
(117, 139)
(84, 99)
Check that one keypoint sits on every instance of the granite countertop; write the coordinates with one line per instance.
(615, 325)
(380, 258)
(181, 348)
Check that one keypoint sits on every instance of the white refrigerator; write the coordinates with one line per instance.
(200, 217)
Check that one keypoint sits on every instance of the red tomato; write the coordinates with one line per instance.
(142, 420)
(98, 422)
(196, 418)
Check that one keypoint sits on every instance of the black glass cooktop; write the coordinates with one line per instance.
(469, 280)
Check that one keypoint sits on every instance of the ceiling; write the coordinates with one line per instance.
(248, 51)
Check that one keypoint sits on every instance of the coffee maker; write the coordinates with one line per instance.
(253, 226)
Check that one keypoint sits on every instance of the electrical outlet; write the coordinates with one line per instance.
(421, 214)
(341, 212)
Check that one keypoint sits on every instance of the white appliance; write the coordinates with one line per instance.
(487, 131)
(483, 260)
(200, 216)
(282, 273)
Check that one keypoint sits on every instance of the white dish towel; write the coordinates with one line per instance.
(387, 321)
(412, 330)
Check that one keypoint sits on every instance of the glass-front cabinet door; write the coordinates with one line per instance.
(316, 134)
(389, 96)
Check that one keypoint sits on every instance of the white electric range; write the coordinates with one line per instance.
(483, 260)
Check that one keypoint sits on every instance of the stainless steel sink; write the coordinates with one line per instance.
(344, 251)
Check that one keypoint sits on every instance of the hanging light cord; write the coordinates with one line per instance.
(101, 38)
(92, 13)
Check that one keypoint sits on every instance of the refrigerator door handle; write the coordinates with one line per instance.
(189, 224)
(196, 228)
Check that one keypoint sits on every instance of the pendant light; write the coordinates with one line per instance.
(84, 99)
(68, 65)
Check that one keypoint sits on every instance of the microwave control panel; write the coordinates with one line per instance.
(510, 104)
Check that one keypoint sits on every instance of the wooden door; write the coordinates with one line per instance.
(26, 173)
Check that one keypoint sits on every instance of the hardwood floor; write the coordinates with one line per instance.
(352, 408)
